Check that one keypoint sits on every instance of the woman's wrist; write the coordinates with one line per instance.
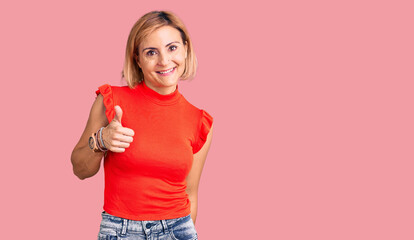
(99, 141)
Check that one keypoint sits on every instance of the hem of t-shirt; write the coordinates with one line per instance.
(148, 217)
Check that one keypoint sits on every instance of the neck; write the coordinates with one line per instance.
(162, 90)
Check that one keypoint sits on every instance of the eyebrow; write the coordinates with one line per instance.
(156, 48)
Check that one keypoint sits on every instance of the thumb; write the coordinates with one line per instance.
(118, 114)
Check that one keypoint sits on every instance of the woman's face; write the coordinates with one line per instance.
(162, 59)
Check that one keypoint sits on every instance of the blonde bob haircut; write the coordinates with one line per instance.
(148, 23)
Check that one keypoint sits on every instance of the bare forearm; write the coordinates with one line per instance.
(194, 206)
(85, 162)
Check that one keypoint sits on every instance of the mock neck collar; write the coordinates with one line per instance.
(167, 99)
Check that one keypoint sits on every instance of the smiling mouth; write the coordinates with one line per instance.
(166, 71)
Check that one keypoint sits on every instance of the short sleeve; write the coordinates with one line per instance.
(106, 91)
(205, 124)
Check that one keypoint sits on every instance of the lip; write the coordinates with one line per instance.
(166, 74)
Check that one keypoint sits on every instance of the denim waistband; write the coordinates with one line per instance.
(137, 226)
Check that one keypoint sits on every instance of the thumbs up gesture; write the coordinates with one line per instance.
(116, 137)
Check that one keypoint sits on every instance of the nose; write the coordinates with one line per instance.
(164, 59)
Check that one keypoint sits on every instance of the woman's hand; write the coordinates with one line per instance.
(116, 137)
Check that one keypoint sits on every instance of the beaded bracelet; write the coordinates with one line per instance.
(100, 137)
(99, 141)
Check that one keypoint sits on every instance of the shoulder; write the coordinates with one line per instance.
(189, 105)
(107, 89)
(203, 124)
(119, 88)
(191, 109)
(197, 113)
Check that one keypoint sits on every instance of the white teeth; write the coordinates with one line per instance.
(167, 71)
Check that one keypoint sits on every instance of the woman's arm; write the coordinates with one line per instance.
(85, 162)
(193, 178)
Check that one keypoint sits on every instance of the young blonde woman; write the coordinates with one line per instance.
(153, 141)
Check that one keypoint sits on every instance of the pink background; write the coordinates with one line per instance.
(312, 103)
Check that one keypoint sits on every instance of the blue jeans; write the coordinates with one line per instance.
(113, 227)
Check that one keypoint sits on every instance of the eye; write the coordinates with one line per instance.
(151, 53)
(173, 48)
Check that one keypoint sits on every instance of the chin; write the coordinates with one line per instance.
(168, 82)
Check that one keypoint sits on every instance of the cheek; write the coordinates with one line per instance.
(147, 66)
(180, 58)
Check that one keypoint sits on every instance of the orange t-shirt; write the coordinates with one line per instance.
(148, 180)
